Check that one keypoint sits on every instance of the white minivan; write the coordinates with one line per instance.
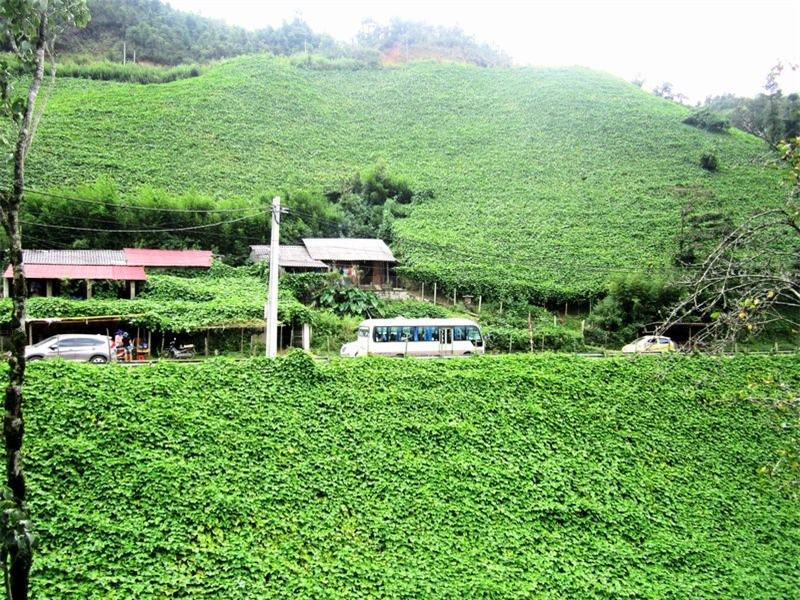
(416, 337)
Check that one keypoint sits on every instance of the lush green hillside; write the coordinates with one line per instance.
(544, 180)
(498, 477)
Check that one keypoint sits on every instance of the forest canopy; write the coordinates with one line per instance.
(153, 32)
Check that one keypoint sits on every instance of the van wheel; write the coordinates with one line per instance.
(467, 353)
(399, 355)
(98, 359)
(32, 358)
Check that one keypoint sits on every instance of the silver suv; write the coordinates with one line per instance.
(73, 346)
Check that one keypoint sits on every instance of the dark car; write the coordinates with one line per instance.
(73, 346)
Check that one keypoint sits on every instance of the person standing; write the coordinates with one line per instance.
(119, 344)
(127, 345)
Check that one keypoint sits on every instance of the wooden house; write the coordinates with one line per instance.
(368, 262)
(292, 259)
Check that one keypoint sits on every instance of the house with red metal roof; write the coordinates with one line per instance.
(47, 271)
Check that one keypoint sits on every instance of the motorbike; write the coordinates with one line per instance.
(176, 351)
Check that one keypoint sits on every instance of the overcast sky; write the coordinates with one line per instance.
(702, 47)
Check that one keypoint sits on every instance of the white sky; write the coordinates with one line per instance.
(702, 47)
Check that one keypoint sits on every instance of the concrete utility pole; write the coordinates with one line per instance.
(271, 309)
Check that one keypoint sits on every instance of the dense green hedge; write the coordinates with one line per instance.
(502, 477)
(130, 73)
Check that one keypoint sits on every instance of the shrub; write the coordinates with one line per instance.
(165, 287)
(414, 309)
(707, 119)
(544, 337)
(632, 301)
(330, 331)
(129, 73)
(351, 301)
(317, 62)
(709, 161)
(307, 287)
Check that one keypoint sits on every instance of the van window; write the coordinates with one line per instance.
(473, 334)
(431, 334)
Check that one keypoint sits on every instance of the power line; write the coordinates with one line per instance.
(500, 260)
(208, 234)
(168, 230)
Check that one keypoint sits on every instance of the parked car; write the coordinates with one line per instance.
(651, 343)
(96, 349)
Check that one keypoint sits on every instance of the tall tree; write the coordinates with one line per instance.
(28, 28)
(771, 115)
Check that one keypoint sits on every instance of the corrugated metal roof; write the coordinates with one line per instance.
(288, 256)
(124, 265)
(73, 257)
(258, 253)
(112, 272)
(348, 249)
(146, 257)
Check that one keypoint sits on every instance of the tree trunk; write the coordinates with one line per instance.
(13, 424)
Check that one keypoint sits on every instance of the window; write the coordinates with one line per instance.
(473, 334)
(431, 334)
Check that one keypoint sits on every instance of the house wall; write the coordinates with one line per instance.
(378, 273)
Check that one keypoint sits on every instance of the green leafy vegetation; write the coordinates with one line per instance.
(702, 226)
(538, 183)
(705, 118)
(771, 115)
(520, 327)
(226, 297)
(97, 215)
(632, 301)
(505, 477)
(154, 32)
(129, 73)
(351, 301)
(709, 162)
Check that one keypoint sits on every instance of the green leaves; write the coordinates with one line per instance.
(509, 476)
(16, 537)
(222, 297)
(345, 300)
(513, 212)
